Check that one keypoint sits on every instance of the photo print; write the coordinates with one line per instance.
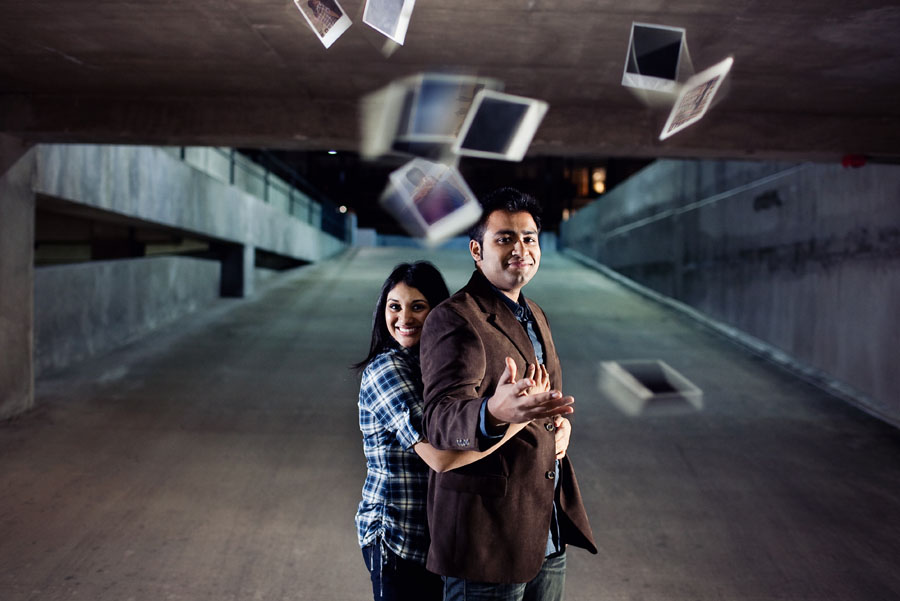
(437, 104)
(389, 17)
(695, 97)
(380, 117)
(657, 58)
(430, 200)
(420, 115)
(500, 126)
(326, 18)
(648, 387)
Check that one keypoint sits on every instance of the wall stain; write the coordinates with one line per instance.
(767, 200)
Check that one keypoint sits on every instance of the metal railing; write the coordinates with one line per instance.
(292, 193)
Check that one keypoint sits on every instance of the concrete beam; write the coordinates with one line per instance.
(195, 121)
(147, 184)
(625, 130)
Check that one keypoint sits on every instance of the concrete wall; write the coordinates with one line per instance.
(88, 308)
(17, 202)
(803, 257)
(85, 309)
(148, 183)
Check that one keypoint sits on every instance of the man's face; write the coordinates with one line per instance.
(510, 253)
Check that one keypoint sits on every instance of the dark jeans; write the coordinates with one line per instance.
(398, 579)
(548, 585)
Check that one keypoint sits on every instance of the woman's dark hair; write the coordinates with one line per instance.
(421, 275)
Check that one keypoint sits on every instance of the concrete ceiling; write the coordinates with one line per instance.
(813, 79)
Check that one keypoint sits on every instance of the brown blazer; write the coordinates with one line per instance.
(489, 520)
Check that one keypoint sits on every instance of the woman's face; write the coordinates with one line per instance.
(404, 314)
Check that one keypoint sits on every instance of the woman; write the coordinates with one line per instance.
(391, 521)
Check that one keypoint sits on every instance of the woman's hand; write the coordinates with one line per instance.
(563, 432)
(509, 405)
(541, 378)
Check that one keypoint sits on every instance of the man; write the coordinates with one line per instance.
(499, 526)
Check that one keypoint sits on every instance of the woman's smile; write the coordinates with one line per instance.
(404, 314)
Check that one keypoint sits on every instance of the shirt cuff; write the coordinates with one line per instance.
(483, 425)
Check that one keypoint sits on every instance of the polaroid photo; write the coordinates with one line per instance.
(431, 200)
(394, 202)
(389, 17)
(648, 387)
(419, 115)
(695, 97)
(437, 104)
(657, 58)
(326, 18)
(499, 126)
(380, 114)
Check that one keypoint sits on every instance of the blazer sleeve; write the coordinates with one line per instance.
(453, 370)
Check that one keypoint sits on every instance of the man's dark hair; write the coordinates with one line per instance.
(509, 200)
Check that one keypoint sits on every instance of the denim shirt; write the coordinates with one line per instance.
(526, 318)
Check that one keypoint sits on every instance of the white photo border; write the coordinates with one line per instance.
(445, 227)
(406, 130)
(715, 75)
(523, 135)
(399, 34)
(334, 32)
(648, 82)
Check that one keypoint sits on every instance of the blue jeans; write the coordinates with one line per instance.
(548, 585)
(398, 579)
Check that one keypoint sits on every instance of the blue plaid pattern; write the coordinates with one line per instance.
(390, 417)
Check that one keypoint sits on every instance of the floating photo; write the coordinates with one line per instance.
(380, 114)
(648, 387)
(657, 58)
(500, 126)
(430, 200)
(436, 106)
(419, 115)
(389, 17)
(695, 97)
(326, 18)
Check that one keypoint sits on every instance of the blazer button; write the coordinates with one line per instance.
(549, 426)
(550, 475)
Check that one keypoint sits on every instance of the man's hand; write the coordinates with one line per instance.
(563, 432)
(511, 403)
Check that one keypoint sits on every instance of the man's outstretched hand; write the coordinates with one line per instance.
(512, 405)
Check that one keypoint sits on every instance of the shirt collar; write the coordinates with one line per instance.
(411, 352)
(520, 309)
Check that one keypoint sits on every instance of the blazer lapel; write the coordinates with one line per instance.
(500, 317)
(509, 326)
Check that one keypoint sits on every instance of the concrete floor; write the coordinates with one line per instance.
(221, 459)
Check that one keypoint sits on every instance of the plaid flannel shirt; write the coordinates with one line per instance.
(390, 417)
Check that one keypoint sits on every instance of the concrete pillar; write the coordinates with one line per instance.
(238, 262)
(17, 202)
